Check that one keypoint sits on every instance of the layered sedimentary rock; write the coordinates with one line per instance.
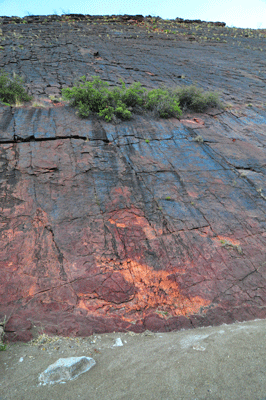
(147, 224)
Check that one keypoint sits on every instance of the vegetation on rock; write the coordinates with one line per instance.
(12, 90)
(98, 97)
(193, 98)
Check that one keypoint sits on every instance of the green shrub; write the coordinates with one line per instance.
(2, 347)
(163, 102)
(12, 90)
(107, 113)
(97, 97)
(91, 97)
(121, 111)
(193, 98)
(133, 96)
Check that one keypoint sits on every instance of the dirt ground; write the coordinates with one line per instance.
(225, 362)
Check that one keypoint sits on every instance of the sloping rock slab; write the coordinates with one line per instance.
(148, 224)
(131, 227)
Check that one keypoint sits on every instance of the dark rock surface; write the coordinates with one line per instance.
(139, 225)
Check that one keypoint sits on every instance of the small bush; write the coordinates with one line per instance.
(163, 103)
(96, 96)
(2, 347)
(134, 95)
(12, 90)
(121, 111)
(193, 98)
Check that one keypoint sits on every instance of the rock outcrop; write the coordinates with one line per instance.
(148, 224)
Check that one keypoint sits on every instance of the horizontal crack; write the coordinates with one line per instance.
(18, 139)
(246, 169)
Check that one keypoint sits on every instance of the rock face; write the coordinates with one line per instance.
(139, 225)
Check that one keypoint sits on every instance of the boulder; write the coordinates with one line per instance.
(66, 369)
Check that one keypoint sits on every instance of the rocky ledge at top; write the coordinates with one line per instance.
(147, 224)
(39, 19)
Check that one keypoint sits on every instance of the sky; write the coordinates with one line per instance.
(235, 13)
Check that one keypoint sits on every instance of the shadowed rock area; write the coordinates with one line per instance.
(148, 224)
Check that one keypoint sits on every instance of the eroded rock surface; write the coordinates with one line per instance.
(138, 225)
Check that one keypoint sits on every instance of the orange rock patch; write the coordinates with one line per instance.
(154, 291)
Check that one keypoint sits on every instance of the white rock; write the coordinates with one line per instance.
(118, 342)
(198, 347)
(66, 369)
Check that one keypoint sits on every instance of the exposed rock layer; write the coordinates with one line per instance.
(139, 225)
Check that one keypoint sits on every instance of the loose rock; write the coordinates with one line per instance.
(66, 369)
(118, 342)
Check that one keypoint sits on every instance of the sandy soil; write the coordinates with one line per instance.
(225, 362)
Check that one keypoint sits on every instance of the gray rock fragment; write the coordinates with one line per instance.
(66, 369)
(118, 342)
(1, 333)
(2, 346)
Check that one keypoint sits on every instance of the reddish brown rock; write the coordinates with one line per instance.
(138, 225)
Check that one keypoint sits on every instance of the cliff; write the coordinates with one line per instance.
(138, 225)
